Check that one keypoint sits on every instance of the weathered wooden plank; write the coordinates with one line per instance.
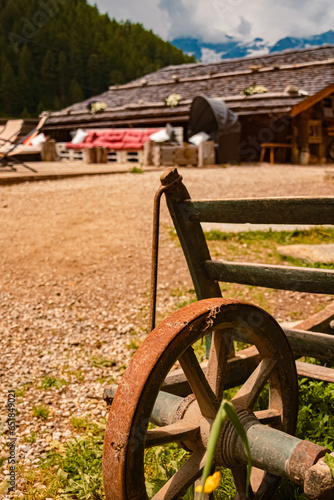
(250, 391)
(269, 416)
(191, 237)
(192, 240)
(178, 484)
(262, 211)
(315, 371)
(171, 434)
(281, 277)
(310, 101)
(320, 321)
(206, 398)
(313, 344)
(238, 369)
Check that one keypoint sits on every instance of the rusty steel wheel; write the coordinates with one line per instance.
(188, 422)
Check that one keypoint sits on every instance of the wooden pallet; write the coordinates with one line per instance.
(170, 155)
(125, 156)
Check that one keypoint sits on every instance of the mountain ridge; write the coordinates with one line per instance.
(234, 49)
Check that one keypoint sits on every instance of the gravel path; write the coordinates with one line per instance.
(74, 283)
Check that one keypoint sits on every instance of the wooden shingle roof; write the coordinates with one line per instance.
(310, 70)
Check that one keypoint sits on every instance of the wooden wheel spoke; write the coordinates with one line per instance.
(269, 417)
(139, 399)
(251, 389)
(198, 495)
(240, 477)
(184, 477)
(205, 396)
(221, 347)
(171, 434)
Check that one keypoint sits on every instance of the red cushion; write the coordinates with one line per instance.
(150, 131)
(116, 145)
(100, 142)
(69, 145)
(90, 137)
(84, 145)
(134, 136)
(115, 136)
(115, 139)
(133, 145)
(102, 135)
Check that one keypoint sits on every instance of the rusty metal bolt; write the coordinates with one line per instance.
(319, 483)
(304, 456)
(169, 175)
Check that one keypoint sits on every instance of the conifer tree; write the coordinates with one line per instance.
(48, 77)
(9, 90)
(76, 94)
(55, 53)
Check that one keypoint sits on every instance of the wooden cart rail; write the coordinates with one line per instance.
(188, 214)
(299, 210)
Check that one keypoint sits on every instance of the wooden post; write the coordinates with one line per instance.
(303, 138)
(48, 150)
(90, 155)
(206, 153)
(147, 154)
(294, 143)
(272, 155)
(101, 155)
(192, 239)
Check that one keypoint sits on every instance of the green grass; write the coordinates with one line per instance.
(49, 382)
(183, 297)
(261, 246)
(302, 263)
(30, 438)
(3, 460)
(134, 343)
(40, 412)
(73, 471)
(136, 170)
(85, 424)
(101, 362)
(161, 463)
(78, 375)
(315, 235)
(20, 392)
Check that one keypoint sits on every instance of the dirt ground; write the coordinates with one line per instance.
(74, 281)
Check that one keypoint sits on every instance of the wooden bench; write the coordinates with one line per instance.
(272, 146)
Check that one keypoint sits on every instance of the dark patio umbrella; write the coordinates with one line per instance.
(216, 119)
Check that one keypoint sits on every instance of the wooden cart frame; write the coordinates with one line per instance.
(184, 402)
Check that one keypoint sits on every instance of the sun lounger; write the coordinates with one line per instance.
(10, 132)
(9, 150)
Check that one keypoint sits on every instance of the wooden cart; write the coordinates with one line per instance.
(183, 402)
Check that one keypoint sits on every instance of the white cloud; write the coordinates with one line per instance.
(146, 12)
(212, 20)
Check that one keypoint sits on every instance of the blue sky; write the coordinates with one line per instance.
(211, 20)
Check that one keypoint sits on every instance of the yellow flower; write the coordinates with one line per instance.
(211, 483)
